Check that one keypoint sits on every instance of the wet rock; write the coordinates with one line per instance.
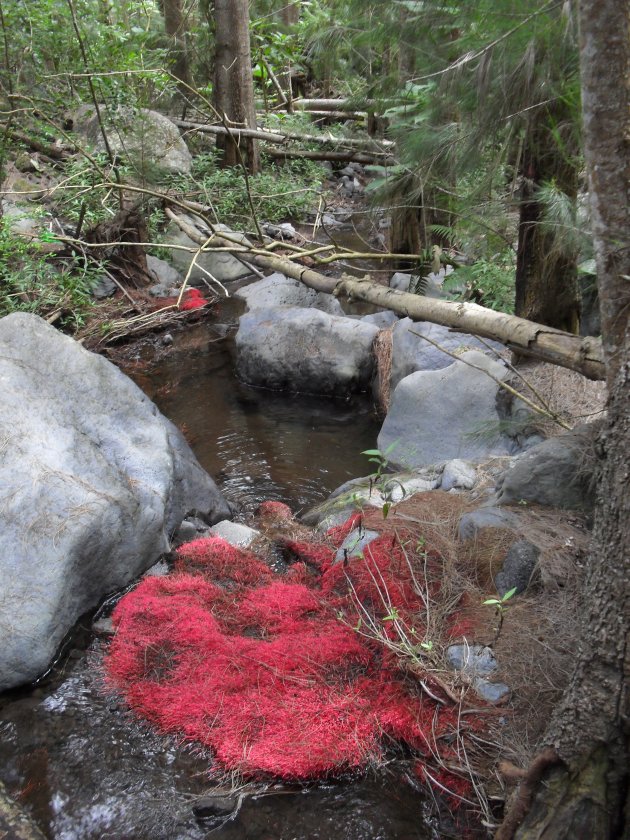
(103, 627)
(93, 479)
(486, 517)
(304, 350)
(355, 543)
(444, 414)
(240, 536)
(560, 472)
(147, 139)
(361, 492)
(460, 475)
(220, 265)
(411, 353)
(214, 806)
(278, 290)
(518, 567)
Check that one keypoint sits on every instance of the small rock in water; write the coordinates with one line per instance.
(103, 626)
(214, 806)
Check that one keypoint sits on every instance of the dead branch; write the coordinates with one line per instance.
(546, 758)
(285, 137)
(528, 338)
(340, 157)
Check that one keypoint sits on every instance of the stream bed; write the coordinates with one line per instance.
(71, 753)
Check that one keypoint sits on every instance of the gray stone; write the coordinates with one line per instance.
(401, 281)
(475, 663)
(278, 290)
(459, 475)
(560, 472)
(472, 660)
(164, 273)
(240, 536)
(486, 517)
(411, 353)
(104, 288)
(93, 480)
(382, 320)
(444, 414)
(518, 567)
(359, 493)
(147, 139)
(489, 691)
(304, 350)
(219, 265)
(355, 544)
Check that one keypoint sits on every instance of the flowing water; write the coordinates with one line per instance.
(80, 764)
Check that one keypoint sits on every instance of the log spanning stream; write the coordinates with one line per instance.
(79, 762)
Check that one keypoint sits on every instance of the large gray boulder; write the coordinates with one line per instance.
(93, 480)
(411, 353)
(208, 265)
(444, 414)
(147, 139)
(278, 290)
(305, 350)
(559, 472)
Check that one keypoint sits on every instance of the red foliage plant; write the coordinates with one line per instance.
(192, 299)
(260, 668)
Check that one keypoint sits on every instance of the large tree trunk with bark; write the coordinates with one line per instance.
(233, 82)
(584, 791)
(175, 28)
(546, 272)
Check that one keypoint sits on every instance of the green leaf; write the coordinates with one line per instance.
(492, 602)
(386, 508)
(509, 595)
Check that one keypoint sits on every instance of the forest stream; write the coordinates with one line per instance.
(72, 754)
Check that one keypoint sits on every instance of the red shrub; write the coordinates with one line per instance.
(259, 668)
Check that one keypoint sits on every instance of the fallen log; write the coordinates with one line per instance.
(583, 355)
(264, 134)
(334, 157)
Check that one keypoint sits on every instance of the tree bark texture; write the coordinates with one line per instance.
(175, 28)
(586, 793)
(546, 274)
(233, 84)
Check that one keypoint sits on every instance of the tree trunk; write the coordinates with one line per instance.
(233, 84)
(175, 28)
(290, 14)
(585, 792)
(546, 274)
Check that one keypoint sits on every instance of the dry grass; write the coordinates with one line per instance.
(534, 648)
(573, 397)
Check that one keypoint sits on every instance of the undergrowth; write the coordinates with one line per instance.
(29, 282)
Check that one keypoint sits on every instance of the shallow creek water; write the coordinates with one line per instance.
(79, 763)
